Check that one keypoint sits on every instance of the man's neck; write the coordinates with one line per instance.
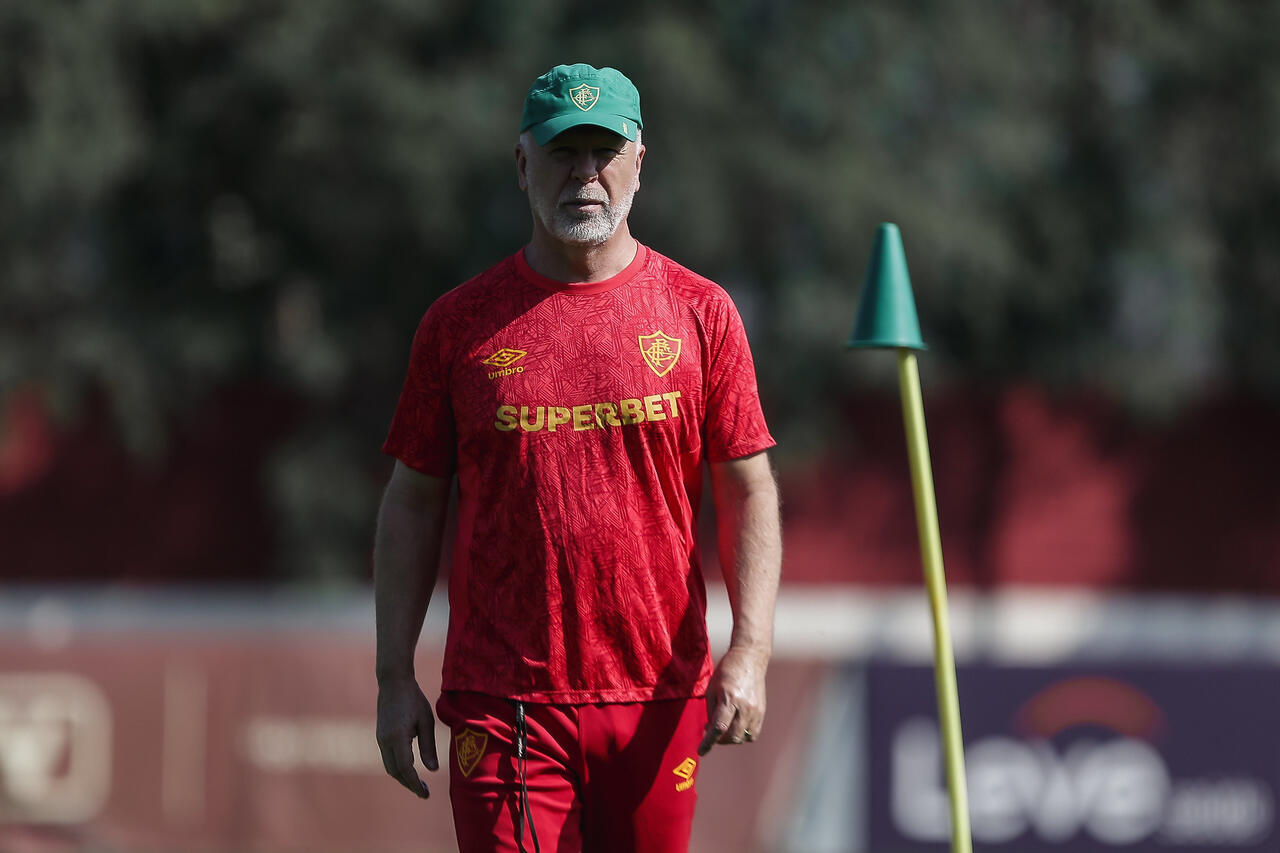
(572, 264)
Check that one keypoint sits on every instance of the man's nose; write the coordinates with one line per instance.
(586, 167)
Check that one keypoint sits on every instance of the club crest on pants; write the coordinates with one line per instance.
(468, 746)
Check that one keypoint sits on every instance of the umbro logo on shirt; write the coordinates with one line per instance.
(503, 359)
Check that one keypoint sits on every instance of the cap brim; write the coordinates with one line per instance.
(551, 128)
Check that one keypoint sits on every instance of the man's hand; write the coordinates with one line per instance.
(406, 562)
(735, 699)
(403, 714)
(750, 544)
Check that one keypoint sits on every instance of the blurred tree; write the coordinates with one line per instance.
(205, 193)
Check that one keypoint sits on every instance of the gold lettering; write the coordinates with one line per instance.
(556, 415)
(607, 414)
(506, 418)
(631, 413)
(632, 410)
(653, 407)
(526, 424)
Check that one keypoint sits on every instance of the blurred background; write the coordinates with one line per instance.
(221, 220)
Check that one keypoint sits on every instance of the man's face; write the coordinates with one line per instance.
(581, 183)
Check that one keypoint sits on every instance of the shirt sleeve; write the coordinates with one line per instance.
(735, 424)
(423, 432)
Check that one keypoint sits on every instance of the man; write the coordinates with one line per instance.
(574, 390)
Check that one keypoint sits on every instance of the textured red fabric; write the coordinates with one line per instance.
(577, 418)
(620, 777)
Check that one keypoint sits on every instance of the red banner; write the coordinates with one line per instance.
(158, 740)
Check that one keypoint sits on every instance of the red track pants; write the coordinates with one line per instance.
(615, 777)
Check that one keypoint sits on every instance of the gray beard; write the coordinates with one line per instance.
(590, 229)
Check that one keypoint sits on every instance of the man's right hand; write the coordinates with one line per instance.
(403, 714)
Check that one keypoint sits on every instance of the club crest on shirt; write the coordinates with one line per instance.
(660, 351)
(584, 97)
(468, 746)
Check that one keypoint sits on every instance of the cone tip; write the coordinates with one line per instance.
(886, 312)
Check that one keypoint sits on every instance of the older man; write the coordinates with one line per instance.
(575, 390)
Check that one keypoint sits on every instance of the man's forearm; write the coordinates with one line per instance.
(406, 564)
(750, 548)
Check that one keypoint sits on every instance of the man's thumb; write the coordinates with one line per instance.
(427, 746)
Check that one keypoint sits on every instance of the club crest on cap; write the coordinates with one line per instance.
(584, 97)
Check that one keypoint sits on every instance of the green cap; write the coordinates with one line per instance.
(887, 310)
(570, 95)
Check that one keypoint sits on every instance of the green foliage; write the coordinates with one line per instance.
(209, 192)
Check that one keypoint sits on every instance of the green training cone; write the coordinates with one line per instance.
(887, 310)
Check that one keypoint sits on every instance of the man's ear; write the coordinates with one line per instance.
(522, 163)
(639, 161)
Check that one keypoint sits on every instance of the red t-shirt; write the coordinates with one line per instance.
(577, 418)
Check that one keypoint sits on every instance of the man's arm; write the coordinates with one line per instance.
(750, 548)
(406, 563)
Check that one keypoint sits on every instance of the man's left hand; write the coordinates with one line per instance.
(735, 699)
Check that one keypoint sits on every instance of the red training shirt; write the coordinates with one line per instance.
(577, 418)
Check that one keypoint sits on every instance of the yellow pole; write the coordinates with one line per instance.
(935, 581)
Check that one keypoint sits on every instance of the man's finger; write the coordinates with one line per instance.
(717, 726)
(427, 747)
(746, 727)
(708, 740)
(397, 758)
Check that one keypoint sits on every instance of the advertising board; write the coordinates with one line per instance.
(1080, 759)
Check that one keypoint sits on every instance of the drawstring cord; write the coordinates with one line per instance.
(522, 799)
